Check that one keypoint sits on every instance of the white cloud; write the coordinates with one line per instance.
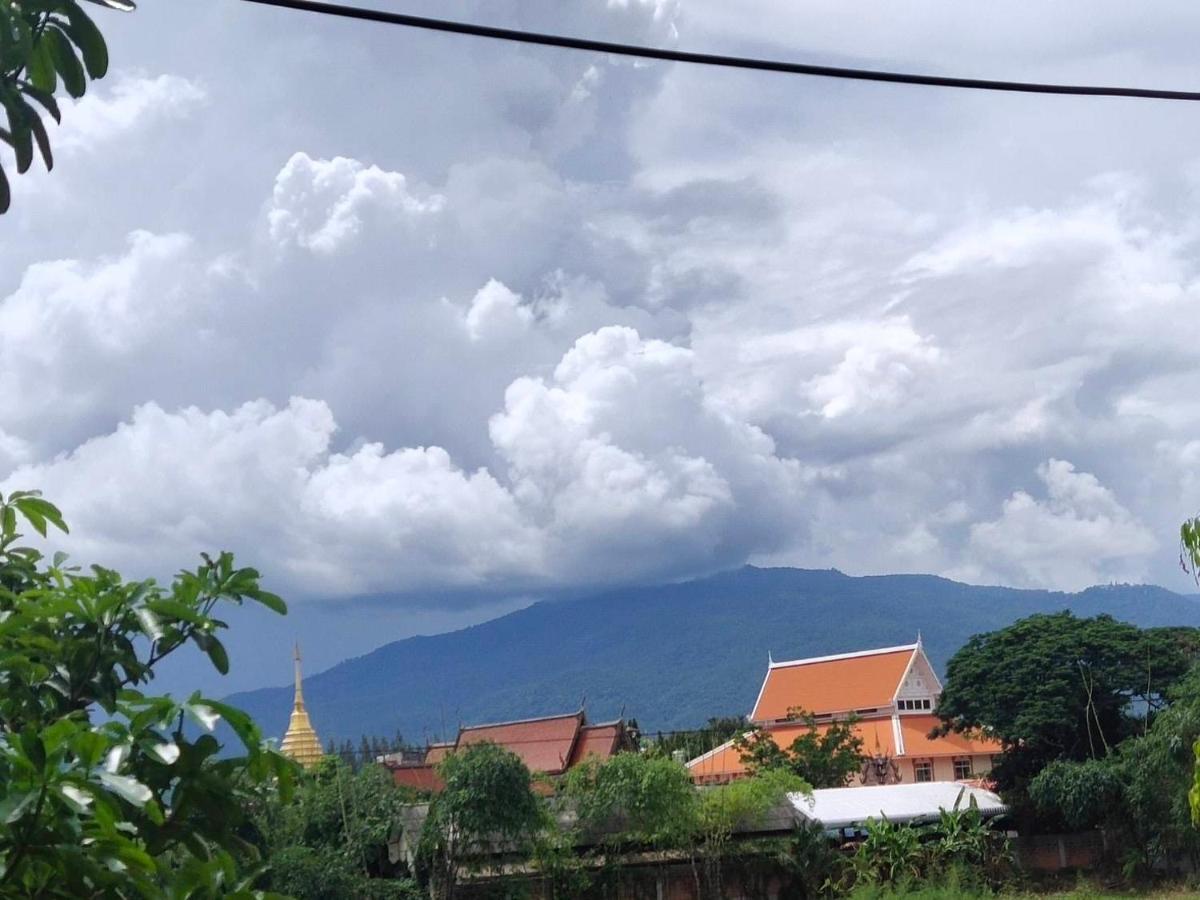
(133, 101)
(585, 491)
(1079, 535)
(320, 204)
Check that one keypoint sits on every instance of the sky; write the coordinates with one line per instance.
(424, 327)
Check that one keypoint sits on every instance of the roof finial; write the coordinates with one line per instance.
(299, 702)
(918, 637)
(770, 661)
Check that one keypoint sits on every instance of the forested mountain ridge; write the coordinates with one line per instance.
(670, 655)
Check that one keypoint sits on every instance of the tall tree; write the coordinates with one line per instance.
(488, 802)
(43, 42)
(1058, 687)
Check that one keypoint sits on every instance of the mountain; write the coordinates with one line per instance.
(669, 655)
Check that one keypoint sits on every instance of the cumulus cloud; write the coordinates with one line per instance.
(643, 319)
(320, 204)
(583, 490)
(133, 101)
(1079, 534)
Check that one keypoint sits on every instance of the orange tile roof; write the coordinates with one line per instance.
(833, 683)
(915, 730)
(597, 740)
(435, 753)
(725, 761)
(544, 745)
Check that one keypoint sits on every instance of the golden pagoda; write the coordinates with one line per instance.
(301, 742)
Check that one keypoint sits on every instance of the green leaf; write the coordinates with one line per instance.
(47, 101)
(83, 31)
(5, 192)
(43, 508)
(66, 62)
(216, 652)
(43, 142)
(41, 68)
(21, 137)
(271, 601)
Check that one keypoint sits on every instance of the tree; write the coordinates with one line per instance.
(1055, 687)
(487, 806)
(823, 756)
(42, 41)
(106, 790)
(633, 798)
(330, 840)
(745, 804)
(1189, 547)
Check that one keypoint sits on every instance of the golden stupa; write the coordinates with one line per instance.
(301, 742)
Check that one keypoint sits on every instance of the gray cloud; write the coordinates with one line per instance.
(388, 311)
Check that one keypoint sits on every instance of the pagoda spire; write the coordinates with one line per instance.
(301, 742)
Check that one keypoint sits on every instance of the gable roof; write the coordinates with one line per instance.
(601, 741)
(725, 762)
(829, 684)
(544, 745)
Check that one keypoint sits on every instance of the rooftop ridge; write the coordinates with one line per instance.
(577, 714)
(785, 664)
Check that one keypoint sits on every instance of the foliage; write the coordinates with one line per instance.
(103, 790)
(716, 731)
(487, 805)
(1053, 687)
(42, 41)
(745, 803)
(958, 848)
(1138, 793)
(822, 758)
(1080, 795)
(889, 854)
(633, 798)
(330, 840)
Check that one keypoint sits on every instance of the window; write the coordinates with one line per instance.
(915, 704)
(962, 769)
(923, 770)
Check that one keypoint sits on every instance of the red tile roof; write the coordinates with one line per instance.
(544, 745)
(421, 778)
(832, 684)
(601, 741)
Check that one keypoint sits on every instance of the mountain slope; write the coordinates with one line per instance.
(669, 655)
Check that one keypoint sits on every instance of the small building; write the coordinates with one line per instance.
(549, 745)
(300, 742)
(891, 693)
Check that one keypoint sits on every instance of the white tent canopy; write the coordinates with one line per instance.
(835, 808)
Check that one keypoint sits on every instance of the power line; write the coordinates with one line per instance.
(714, 59)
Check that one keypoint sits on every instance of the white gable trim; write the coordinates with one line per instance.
(762, 690)
(837, 656)
(715, 750)
(898, 734)
(907, 671)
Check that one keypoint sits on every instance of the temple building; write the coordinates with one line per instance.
(891, 693)
(301, 742)
(549, 745)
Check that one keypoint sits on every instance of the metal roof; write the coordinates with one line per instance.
(846, 807)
